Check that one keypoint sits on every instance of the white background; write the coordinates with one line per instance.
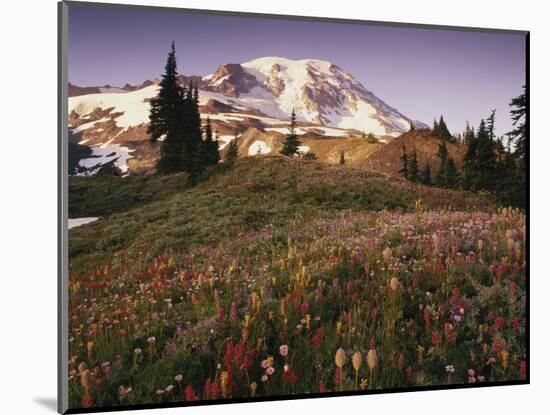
(28, 163)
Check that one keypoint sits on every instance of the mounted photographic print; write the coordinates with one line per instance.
(263, 207)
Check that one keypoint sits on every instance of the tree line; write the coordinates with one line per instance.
(492, 164)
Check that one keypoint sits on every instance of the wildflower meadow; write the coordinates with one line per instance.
(246, 287)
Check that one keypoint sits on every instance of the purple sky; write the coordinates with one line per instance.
(421, 72)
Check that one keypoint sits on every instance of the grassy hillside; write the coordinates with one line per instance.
(272, 277)
(104, 195)
(257, 192)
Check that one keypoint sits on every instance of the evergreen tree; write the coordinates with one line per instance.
(290, 146)
(371, 139)
(165, 117)
(209, 146)
(491, 125)
(192, 163)
(443, 131)
(404, 163)
(451, 178)
(412, 127)
(440, 177)
(342, 160)
(518, 136)
(510, 189)
(310, 155)
(414, 173)
(440, 130)
(435, 129)
(485, 159)
(232, 150)
(469, 163)
(426, 175)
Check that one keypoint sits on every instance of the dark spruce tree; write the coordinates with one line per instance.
(414, 172)
(485, 159)
(443, 131)
(291, 144)
(442, 153)
(191, 152)
(404, 163)
(435, 129)
(426, 175)
(518, 136)
(469, 161)
(490, 125)
(232, 150)
(342, 160)
(440, 130)
(209, 146)
(165, 118)
(510, 190)
(450, 173)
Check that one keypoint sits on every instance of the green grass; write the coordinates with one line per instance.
(104, 195)
(160, 214)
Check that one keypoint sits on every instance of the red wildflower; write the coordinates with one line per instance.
(401, 361)
(289, 375)
(221, 315)
(322, 387)
(304, 308)
(436, 338)
(190, 394)
(409, 372)
(372, 343)
(499, 345)
(233, 312)
(87, 401)
(523, 370)
(214, 392)
(208, 389)
(337, 376)
(345, 318)
(499, 322)
(318, 338)
(427, 320)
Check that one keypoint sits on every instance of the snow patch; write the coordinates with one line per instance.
(103, 154)
(132, 104)
(225, 139)
(87, 125)
(259, 147)
(73, 223)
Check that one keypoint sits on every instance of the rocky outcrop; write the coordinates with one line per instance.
(231, 80)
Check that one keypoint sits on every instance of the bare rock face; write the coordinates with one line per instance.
(75, 90)
(185, 80)
(275, 83)
(231, 80)
(215, 107)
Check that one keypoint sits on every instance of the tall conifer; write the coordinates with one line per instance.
(291, 144)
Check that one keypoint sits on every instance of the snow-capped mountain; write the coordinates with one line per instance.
(109, 124)
(318, 91)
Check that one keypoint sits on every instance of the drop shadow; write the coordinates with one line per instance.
(48, 403)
